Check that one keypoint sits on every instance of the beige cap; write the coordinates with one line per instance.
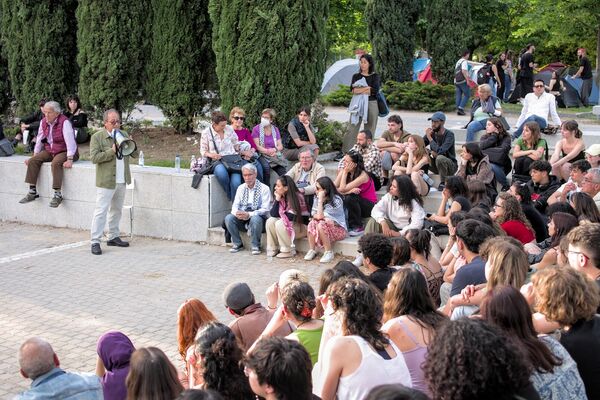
(594, 150)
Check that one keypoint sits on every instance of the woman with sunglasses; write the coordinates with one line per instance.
(237, 116)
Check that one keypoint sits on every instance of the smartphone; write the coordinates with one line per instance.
(429, 215)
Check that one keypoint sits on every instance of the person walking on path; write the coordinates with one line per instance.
(461, 82)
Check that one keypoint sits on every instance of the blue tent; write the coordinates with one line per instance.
(576, 83)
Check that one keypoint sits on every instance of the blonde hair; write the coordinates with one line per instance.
(269, 111)
(291, 275)
(419, 153)
(484, 88)
(565, 295)
(508, 262)
(237, 110)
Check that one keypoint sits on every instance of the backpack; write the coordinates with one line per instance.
(484, 73)
(6, 148)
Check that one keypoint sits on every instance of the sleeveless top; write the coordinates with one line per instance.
(580, 156)
(434, 280)
(414, 358)
(373, 371)
(367, 191)
(311, 340)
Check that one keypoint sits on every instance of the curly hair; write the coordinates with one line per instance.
(284, 365)
(407, 294)
(471, 359)
(505, 307)
(395, 392)
(407, 192)
(191, 316)
(377, 248)
(512, 211)
(565, 295)
(221, 357)
(361, 310)
(299, 299)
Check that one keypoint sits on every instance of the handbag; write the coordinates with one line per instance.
(436, 228)
(382, 105)
(231, 162)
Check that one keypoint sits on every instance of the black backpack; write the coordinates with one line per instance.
(484, 74)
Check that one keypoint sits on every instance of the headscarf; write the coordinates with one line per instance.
(115, 349)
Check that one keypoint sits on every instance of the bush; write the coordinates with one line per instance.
(339, 97)
(404, 96)
(330, 133)
(419, 96)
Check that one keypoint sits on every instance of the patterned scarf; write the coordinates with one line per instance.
(283, 209)
(257, 198)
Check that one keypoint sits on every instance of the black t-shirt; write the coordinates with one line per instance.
(526, 70)
(381, 277)
(537, 221)
(587, 68)
(582, 342)
(373, 81)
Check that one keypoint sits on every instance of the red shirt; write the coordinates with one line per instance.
(518, 230)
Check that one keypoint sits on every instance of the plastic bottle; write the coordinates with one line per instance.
(177, 163)
(428, 179)
(141, 159)
(192, 162)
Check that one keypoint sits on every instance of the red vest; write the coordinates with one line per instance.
(58, 141)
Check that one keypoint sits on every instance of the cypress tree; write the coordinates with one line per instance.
(391, 28)
(448, 33)
(39, 44)
(4, 85)
(112, 38)
(269, 53)
(182, 61)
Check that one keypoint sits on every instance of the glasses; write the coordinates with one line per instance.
(239, 118)
(577, 252)
(588, 180)
(114, 122)
(538, 85)
(498, 206)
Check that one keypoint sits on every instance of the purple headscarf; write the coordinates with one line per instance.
(115, 349)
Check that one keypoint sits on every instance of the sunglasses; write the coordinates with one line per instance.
(239, 118)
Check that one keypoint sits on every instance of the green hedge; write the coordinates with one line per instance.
(404, 96)
(329, 134)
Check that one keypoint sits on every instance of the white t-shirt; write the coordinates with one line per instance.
(120, 174)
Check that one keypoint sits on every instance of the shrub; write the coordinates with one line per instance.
(330, 133)
(339, 97)
(419, 96)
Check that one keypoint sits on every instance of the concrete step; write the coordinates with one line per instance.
(347, 247)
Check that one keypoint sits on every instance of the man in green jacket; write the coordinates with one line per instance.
(112, 174)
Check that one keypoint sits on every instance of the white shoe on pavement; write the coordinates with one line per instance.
(310, 255)
(328, 256)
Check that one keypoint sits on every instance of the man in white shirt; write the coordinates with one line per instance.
(536, 107)
(249, 210)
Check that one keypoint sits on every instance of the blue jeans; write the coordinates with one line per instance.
(386, 161)
(508, 84)
(541, 122)
(229, 182)
(474, 127)
(462, 94)
(500, 175)
(234, 225)
(492, 84)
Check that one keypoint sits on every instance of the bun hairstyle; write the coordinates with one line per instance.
(299, 299)
(573, 126)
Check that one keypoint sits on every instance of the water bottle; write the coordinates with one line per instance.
(141, 159)
(192, 162)
(428, 179)
(177, 163)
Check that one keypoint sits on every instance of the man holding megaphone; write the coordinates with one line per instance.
(110, 150)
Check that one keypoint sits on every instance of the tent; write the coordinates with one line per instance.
(419, 65)
(576, 85)
(340, 73)
(555, 66)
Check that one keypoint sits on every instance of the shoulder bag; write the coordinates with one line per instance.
(232, 162)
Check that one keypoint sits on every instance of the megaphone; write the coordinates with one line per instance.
(125, 146)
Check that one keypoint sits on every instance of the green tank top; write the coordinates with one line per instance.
(311, 340)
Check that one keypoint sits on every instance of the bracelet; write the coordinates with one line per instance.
(271, 308)
(70, 158)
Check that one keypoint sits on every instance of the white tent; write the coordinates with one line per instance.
(340, 73)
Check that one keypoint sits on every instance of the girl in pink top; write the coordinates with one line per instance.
(358, 189)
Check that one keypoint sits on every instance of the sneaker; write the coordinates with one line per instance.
(255, 251)
(358, 261)
(236, 247)
(460, 111)
(29, 197)
(310, 255)
(328, 257)
(441, 187)
(55, 202)
(356, 231)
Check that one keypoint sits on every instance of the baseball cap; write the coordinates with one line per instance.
(238, 296)
(594, 150)
(437, 116)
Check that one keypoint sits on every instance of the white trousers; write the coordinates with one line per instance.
(108, 201)
(277, 236)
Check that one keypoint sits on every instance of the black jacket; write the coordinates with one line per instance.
(497, 150)
(541, 193)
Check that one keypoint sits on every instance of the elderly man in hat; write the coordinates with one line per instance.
(592, 155)
(55, 144)
(441, 148)
(251, 318)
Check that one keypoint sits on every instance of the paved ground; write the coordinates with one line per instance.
(53, 287)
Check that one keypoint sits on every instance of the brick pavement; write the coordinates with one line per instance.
(71, 297)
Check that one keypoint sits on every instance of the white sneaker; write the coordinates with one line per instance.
(358, 261)
(310, 255)
(255, 251)
(328, 256)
